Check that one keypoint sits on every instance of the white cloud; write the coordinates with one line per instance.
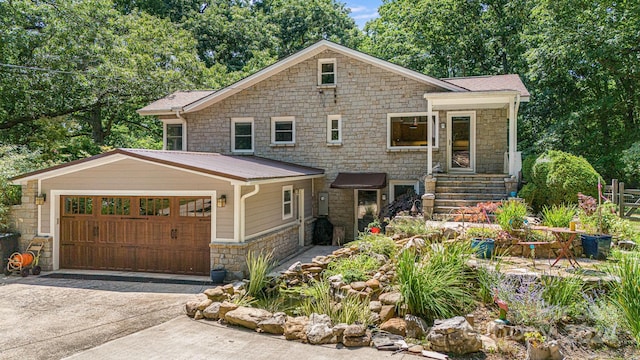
(366, 16)
(356, 9)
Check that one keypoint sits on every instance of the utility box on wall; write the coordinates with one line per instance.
(323, 204)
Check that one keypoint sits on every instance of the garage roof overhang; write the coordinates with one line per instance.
(238, 170)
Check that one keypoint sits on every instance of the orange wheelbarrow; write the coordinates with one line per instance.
(28, 260)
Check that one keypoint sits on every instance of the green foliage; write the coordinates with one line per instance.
(259, 265)
(558, 215)
(606, 317)
(631, 161)
(566, 292)
(482, 233)
(355, 268)
(488, 279)
(350, 310)
(408, 226)
(511, 214)
(436, 286)
(374, 243)
(626, 292)
(527, 165)
(558, 177)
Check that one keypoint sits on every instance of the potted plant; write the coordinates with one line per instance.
(482, 240)
(375, 226)
(597, 221)
(218, 274)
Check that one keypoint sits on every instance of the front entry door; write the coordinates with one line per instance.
(461, 144)
(367, 208)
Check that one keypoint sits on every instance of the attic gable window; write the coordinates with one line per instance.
(327, 69)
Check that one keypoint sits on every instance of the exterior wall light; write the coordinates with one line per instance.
(222, 201)
(40, 199)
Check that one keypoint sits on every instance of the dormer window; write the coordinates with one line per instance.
(327, 72)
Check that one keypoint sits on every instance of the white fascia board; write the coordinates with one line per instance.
(308, 53)
(155, 112)
(477, 97)
(283, 179)
(72, 168)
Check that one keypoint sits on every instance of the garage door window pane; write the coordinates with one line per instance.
(78, 205)
(197, 207)
(155, 207)
(116, 206)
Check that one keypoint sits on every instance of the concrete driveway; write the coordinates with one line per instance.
(46, 318)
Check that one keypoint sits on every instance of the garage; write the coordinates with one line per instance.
(169, 234)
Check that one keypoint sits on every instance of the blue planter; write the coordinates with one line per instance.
(484, 247)
(217, 276)
(596, 246)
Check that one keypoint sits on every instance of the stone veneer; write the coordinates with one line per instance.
(363, 96)
(283, 243)
(24, 219)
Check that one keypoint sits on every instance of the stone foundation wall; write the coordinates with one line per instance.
(283, 243)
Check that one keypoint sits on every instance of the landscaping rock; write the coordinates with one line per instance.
(387, 312)
(627, 245)
(417, 328)
(204, 304)
(295, 328)
(357, 341)
(191, 307)
(228, 289)
(488, 344)
(416, 349)
(218, 294)
(274, 324)
(338, 331)
(390, 298)
(319, 330)
(546, 351)
(198, 315)
(212, 311)
(358, 285)
(373, 284)
(416, 244)
(386, 341)
(295, 267)
(375, 306)
(501, 330)
(454, 335)
(225, 307)
(247, 317)
(583, 335)
(355, 330)
(395, 326)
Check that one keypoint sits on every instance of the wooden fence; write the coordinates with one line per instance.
(628, 200)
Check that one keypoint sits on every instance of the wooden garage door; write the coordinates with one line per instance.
(135, 233)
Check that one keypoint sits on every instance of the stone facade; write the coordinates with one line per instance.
(283, 243)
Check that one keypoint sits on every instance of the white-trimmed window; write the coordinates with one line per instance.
(402, 187)
(327, 71)
(283, 130)
(174, 135)
(409, 131)
(287, 202)
(334, 129)
(242, 135)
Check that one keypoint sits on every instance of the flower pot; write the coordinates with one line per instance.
(596, 246)
(217, 276)
(484, 247)
(375, 230)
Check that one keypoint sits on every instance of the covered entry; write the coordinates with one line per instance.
(136, 233)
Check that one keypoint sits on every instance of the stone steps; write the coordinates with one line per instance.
(454, 192)
(481, 197)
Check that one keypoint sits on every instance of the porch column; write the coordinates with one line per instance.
(429, 137)
(513, 138)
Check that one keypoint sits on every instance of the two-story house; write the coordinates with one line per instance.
(327, 132)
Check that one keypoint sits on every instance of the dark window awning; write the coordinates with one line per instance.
(360, 181)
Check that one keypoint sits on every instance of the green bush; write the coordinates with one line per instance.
(354, 268)
(408, 226)
(436, 286)
(557, 177)
(527, 165)
(510, 215)
(374, 243)
(558, 215)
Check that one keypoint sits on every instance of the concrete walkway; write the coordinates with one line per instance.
(184, 338)
(305, 255)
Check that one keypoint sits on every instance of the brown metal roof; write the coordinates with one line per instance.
(491, 82)
(360, 181)
(178, 99)
(236, 167)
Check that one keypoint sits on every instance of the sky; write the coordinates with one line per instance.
(363, 10)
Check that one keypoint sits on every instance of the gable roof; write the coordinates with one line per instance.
(177, 100)
(303, 55)
(492, 83)
(234, 167)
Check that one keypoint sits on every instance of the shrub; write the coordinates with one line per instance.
(557, 177)
(564, 292)
(626, 292)
(408, 226)
(558, 215)
(354, 268)
(436, 286)
(527, 165)
(511, 215)
(259, 265)
(377, 244)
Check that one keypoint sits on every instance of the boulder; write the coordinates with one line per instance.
(416, 349)
(319, 330)
(545, 351)
(274, 324)
(218, 293)
(357, 341)
(373, 283)
(390, 298)
(225, 307)
(488, 344)
(204, 304)
(228, 289)
(417, 328)
(295, 328)
(191, 307)
(455, 336)
(338, 331)
(358, 285)
(499, 330)
(388, 342)
(212, 311)
(247, 317)
(355, 330)
(395, 326)
(375, 306)
(295, 267)
(387, 312)
(198, 315)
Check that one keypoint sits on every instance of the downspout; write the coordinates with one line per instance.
(184, 130)
(256, 189)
